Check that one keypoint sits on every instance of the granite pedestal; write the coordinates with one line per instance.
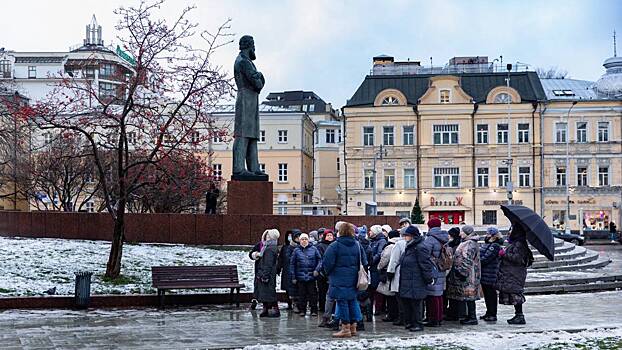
(249, 197)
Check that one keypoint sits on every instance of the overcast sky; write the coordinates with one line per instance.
(327, 45)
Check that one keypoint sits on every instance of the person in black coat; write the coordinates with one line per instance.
(265, 273)
(322, 282)
(377, 243)
(453, 310)
(489, 258)
(515, 259)
(283, 265)
(415, 274)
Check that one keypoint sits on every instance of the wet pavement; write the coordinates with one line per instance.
(213, 327)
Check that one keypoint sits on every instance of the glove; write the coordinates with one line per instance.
(390, 275)
(294, 281)
(315, 273)
(255, 255)
(502, 252)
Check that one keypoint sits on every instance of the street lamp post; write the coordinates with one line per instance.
(509, 140)
(567, 216)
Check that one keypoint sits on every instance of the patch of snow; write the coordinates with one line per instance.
(31, 266)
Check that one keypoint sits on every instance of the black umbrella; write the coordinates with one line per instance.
(536, 230)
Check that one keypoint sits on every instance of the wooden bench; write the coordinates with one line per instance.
(191, 277)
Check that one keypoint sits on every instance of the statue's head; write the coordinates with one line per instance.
(247, 44)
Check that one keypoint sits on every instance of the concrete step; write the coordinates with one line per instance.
(565, 247)
(576, 252)
(570, 288)
(574, 281)
(593, 264)
(589, 256)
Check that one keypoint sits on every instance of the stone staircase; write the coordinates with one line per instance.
(575, 269)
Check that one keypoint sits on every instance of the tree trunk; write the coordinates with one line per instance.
(113, 268)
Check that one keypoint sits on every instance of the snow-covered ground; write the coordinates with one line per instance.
(31, 266)
(558, 340)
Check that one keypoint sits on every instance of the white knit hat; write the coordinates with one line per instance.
(272, 234)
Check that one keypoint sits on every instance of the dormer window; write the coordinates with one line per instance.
(503, 97)
(444, 96)
(390, 101)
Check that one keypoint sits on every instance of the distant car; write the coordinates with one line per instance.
(570, 237)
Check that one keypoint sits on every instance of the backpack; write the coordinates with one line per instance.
(445, 259)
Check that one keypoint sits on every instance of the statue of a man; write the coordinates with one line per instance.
(246, 129)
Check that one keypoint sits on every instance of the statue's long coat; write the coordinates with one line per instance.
(249, 82)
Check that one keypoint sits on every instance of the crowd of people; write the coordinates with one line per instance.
(401, 276)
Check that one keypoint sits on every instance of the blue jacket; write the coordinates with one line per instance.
(341, 264)
(489, 258)
(432, 245)
(376, 246)
(415, 271)
(303, 262)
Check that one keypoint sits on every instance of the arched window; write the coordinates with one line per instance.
(503, 97)
(390, 101)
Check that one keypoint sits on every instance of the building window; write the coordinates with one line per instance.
(311, 108)
(482, 177)
(560, 132)
(523, 133)
(369, 178)
(282, 172)
(503, 97)
(32, 72)
(90, 207)
(106, 70)
(338, 165)
(524, 176)
(389, 178)
(47, 137)
(446, 177)
(262, 136)
(131, 137)
(582, 176)
(581, 132)
(444, 96)
(409, 135)
(282, 208)
(368, 136)
(409, 178)
(106, 90)
(218, 137)
(503, 176)
(502, 133)
(390, 101)
(195, 137)
(603, 176)
(560, 176)
(330, 135)
(262, 167)
(387, 136)
(217, 171)
(445, 134)
(282, 136)
(603, 131)
(5, 69)
(339, 135)
(482, 133)
(489, 217)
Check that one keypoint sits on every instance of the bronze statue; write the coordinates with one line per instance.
(246, 128)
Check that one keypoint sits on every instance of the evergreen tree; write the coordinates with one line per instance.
(416, 216)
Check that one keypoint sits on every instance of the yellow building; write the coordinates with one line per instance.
(285, 154)
(441, 135)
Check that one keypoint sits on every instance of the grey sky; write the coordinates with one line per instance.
(327, 45)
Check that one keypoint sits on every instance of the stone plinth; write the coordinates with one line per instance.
(249, 197)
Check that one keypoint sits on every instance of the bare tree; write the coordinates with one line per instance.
(552, 73)
(159, 106)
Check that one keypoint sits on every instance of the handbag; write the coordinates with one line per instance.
(363, 279)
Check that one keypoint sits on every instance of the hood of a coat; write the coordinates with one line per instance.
(413, 242)
(347, 241)
(439, 234)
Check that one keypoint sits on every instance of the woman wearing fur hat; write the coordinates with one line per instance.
(464, 277)
(265, 273)
(489, 257)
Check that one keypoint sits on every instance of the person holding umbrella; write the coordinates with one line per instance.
(515, 259)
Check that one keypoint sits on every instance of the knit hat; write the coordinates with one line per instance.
(313, 236)
(386, 228)
(454, 232)
(403, 220)
(375, 231)
(468, 229)
(296, 232)
(394, 233)
(411, 231)
(272, 234)
(434, 222)
(304, 235)
(491, 231)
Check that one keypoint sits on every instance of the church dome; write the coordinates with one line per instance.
(610, 83)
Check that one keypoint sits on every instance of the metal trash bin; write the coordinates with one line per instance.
(83, 289)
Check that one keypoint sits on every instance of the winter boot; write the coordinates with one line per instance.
(253, 304)
(360, 326)
(416, 328)
(353, 327)
(264, 313)
(324, 323)
(289, 305)
(344, 332)
(490, 318)
(517, 319)
(274, 312)
(469, 321)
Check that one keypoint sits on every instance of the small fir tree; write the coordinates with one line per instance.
(416, 216)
